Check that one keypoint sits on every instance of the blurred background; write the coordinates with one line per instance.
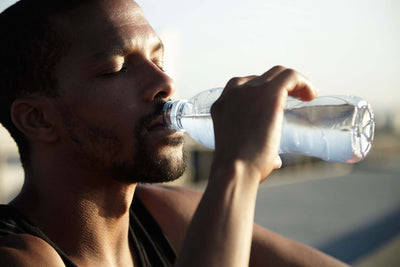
(344, 47)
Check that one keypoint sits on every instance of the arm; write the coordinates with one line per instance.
(173, 208)
(26, 250)
(246, 152)
(271, 249)
(223, 237)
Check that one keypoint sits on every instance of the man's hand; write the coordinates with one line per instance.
(248, 117)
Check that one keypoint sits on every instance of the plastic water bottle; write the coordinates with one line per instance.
(334, 128)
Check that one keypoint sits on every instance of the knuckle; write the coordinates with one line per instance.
(278, 67)
(290, 72)
(234, 81)
(239, 81)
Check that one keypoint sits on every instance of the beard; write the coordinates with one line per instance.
(99, 148)
(149, 166)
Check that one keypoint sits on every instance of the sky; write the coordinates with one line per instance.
(342, 46)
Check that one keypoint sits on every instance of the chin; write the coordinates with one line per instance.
(156, 162)
(170, 146)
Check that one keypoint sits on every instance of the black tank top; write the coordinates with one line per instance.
(151, 246)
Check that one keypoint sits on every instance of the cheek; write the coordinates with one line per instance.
(103, 112)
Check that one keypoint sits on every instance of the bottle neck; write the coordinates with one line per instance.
(172, 113)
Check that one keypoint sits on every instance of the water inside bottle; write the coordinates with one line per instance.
(200, 128)
(333, 128)
(341, 133)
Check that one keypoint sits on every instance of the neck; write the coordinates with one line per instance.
(94, 211)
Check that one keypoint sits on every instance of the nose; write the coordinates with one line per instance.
(160, 85)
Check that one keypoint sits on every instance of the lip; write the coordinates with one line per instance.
(159, 125)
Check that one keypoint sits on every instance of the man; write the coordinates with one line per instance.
(82, 89)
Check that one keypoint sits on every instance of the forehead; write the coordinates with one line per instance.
(103, 25)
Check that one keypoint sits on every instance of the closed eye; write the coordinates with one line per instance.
(161, 68)
(159, 62)
(160, 65)
(114, 73)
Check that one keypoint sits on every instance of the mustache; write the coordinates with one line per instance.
(145, 120)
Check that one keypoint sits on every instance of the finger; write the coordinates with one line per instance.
(277, 165)
(236, 82)
(294, 84)
(267, 76)
(277, 162)
(272, 73)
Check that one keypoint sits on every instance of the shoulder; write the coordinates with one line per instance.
(27, 250)
(172, 207)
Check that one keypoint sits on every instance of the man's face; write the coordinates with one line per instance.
(112, 87)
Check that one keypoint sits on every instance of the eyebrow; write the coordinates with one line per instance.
(122, 50)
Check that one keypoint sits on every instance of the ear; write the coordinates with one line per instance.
(29, 116)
